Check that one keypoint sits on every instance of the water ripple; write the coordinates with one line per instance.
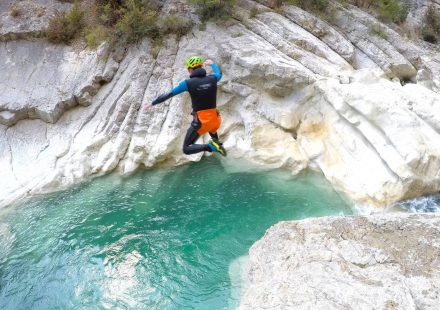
(420, 205)
(158, 240)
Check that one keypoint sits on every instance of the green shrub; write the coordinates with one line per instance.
(63, 27)
(310, 5)
(393, 11)
(156, 47)
(175, 24)
(214, 9)
(253, 12)
(378, 30)
(136, 22)
(94, 36)
(405, 5)
(108, 13)
(75, 17)
(431, 27)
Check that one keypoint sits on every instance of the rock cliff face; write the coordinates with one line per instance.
(297, 92)
(376, 262)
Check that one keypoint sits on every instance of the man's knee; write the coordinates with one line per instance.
(186, 150)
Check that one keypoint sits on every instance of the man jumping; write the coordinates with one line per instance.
(203, 91)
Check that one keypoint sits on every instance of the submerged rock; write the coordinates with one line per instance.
(388, 261)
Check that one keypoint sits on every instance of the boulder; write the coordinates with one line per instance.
(385, 261)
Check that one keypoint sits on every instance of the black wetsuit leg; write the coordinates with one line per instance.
(214, 136)
(189, 146)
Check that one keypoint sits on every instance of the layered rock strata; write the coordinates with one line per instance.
(297, 92)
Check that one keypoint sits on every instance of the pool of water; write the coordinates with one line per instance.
(161, 239)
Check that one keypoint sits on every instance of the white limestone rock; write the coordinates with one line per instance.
(372, 139)
(292, 96)
(298, 44)
(322, 30)
(53, 78)
(27, 19)
(356, 25)
(387, 261)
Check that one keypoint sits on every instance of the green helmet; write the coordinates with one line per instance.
(194, 61)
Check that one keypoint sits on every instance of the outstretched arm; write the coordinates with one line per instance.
(217, 72)
(215, 68)
(175, 91)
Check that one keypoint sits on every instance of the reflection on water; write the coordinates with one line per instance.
(164, 239)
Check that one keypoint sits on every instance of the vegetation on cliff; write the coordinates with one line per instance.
(394, 11)
(127, 21)
(214, 9)
(116, 21)
(313, 5)
(63, 27)
(431, 28)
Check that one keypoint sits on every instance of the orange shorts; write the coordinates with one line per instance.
(210, 120)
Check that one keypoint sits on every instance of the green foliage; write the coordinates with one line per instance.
(344, 3)
(94, 36)
(312, 5)
(63, 28)
(377, 30)
(431, 27)
(253, 12)
(393, 11)
(214, 9)
(136, 22)
(117, 21)
(405, 5)
(157, 46)
(175, 24)
(108, 13)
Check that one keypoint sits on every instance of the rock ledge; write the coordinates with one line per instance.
(386, 261)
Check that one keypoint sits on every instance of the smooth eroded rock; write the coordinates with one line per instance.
(387, 261)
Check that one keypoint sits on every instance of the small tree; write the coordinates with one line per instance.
(63, 28)
(431, 28)
(214, 9)
(136, 22)
(393, 11)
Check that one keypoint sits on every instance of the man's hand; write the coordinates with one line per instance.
(147, 106)
(208, 62)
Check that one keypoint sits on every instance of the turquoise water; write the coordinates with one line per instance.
(161, 239)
